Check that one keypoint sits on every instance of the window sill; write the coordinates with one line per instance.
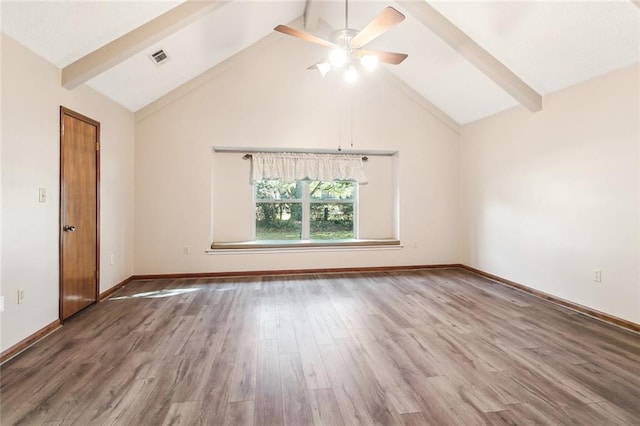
(303, 245)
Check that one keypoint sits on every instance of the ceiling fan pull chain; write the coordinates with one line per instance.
(340, 118)
(351, 121)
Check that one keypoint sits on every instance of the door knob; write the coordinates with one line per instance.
(69, 228)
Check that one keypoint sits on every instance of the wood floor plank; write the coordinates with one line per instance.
(190, 379)
(117, 404)
(216, 393)
(184, 414)
(453, 395)
(243, 381)
(297, 410)
(239, 414)
(313, 301)
(418, 354)
(350, 311)
(314, 370)
(378, 402)
(125, 412)
(617, 414)
(296, 295)
(321, 330)
(419, 347)
(55, 399)
(386, 302)
(387, 373)
(353, 408)
(337, 327)
(287, 342)
(324, 408)
(423, 418)
(247, 318)
(508, 418)
(268, 409)
(598, 380)
(88, 400)
(268, 319)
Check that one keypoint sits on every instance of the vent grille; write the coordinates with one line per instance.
(159, 57)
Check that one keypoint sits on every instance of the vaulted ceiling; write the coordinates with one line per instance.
(469, 59)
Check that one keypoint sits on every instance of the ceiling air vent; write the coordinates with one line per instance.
(159, 57)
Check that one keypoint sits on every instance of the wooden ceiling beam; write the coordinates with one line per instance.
(474, 53)
(135, 41)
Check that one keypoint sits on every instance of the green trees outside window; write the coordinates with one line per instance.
(305, 210)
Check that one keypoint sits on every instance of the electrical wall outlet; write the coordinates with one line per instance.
(186, 250)
(1, 303)
(20, 296)
(597, 276)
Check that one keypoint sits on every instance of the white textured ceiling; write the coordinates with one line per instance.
(549, 45)
(64, 31)
(193, 50)
(553, 44)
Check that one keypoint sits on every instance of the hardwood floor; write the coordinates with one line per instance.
(432, 347)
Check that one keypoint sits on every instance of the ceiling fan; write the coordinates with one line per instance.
(347, 44)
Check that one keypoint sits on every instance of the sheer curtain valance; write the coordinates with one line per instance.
(289, 167)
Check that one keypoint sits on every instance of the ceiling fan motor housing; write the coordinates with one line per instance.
(343, 37)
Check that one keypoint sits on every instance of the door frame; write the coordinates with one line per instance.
(66, 111)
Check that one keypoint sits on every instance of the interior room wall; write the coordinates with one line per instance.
(268, 99)
(1, 127)
(549, 198)
(31, 98)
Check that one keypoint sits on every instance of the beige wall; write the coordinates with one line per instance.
(1, 127)
(31, 97)
(268, 100)
(548, 198)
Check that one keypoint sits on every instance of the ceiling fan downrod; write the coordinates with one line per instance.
(346, 14)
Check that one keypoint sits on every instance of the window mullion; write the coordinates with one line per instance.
(255, 213)
(306, 212)
(356, 213)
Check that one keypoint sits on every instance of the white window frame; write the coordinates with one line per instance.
(306, 202)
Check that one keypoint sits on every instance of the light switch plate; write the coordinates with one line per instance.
(42, 195)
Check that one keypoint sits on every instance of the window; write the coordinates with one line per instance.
(305, 210)
(243, 219)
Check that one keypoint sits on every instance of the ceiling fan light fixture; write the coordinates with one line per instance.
(338, 58)
(350, 75)
(324, 68)
(370, 62)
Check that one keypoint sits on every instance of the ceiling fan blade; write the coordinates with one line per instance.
(384, 57)
(386, 20)
(304, 36)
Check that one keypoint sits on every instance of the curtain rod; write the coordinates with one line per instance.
(247, 156)
(251, 149)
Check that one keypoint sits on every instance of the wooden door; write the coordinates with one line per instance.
(79, 212)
